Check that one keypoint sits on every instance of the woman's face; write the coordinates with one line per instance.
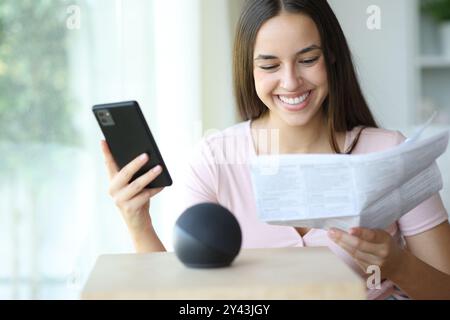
(289, 68)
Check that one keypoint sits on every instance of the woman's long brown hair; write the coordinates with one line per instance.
(345, 107)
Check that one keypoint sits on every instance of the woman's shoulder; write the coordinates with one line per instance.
(376, 139)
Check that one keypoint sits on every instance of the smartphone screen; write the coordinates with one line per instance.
(128, 136)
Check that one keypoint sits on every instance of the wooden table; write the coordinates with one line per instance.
(288, 273)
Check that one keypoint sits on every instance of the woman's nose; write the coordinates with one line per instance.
(291, 80)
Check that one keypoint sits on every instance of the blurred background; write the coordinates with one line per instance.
(60, 57)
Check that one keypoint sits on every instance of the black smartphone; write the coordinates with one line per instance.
(128, 136)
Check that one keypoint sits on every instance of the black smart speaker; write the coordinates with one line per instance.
(207, 235)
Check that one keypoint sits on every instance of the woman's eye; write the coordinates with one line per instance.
(309, 61)
(269, 67)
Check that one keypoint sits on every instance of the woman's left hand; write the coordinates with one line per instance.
(370, 247)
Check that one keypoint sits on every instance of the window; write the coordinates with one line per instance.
(58, 59)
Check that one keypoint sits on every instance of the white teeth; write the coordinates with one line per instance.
(294, 101)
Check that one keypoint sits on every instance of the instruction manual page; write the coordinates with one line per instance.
(344, 191)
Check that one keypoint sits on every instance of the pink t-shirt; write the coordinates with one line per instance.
(219, 172)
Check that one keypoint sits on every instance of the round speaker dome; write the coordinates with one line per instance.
(207, 235)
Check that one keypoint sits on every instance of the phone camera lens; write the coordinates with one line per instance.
(105, 118)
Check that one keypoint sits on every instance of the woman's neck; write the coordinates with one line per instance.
(285, 139)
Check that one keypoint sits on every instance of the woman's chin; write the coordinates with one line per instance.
(297, 119)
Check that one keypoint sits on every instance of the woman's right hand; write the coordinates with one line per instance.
(132, 199)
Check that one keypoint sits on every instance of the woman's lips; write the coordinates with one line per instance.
(295, 107)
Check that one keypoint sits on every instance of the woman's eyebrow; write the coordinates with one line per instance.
(303, 51)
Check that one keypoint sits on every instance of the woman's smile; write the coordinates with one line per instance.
(294, 103)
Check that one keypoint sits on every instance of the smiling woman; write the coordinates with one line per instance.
(293, 74)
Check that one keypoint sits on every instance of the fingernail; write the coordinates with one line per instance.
(157, 169)
(143, 157)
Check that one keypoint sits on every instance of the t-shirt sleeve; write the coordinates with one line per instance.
(201, 177)
(425, 216)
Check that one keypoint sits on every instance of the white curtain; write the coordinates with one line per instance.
(59, 217)
(156, 52)
(178, 101)
(147, 51)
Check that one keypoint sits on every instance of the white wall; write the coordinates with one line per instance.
(385, 58)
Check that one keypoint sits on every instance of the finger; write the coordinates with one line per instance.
(364, 257)
(124, 176)
(374, 236)
(342, 237)
(139, 184)
(111, 165)
(143, 197)
(350, 251)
